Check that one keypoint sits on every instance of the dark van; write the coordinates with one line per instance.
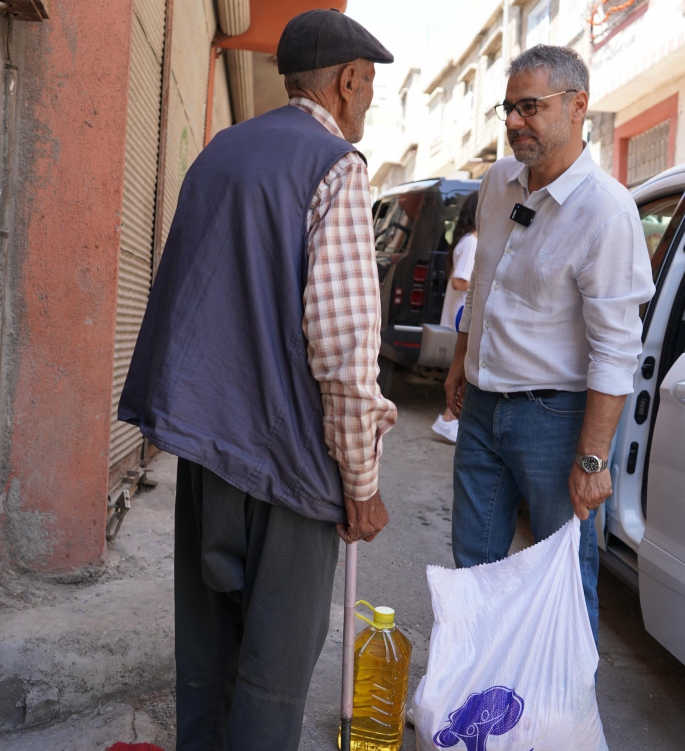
(413, 226)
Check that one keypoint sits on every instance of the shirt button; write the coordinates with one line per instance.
(496, 286)
(482, 364)
(509, 249)
(487, 324)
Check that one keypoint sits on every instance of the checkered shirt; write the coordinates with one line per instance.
(342, 317)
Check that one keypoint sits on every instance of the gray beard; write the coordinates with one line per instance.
(543, 148)
(359, 117)
(358, 133)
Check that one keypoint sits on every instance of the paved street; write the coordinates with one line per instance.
(641, 687)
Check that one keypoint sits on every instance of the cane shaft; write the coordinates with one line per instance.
(348, 644)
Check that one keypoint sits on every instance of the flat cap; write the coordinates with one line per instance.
(322, 38)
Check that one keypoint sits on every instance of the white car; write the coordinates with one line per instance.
(642, 526)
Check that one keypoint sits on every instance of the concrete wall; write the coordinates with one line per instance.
(57, 344)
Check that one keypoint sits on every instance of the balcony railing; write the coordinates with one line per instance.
(606, 15)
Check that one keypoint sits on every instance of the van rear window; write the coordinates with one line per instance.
(425, 220)
(453, 204)
(395, 219)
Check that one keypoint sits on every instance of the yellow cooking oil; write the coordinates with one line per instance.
(381, 676)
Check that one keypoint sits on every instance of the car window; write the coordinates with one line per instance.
(453, 203)
(655, 217)
(395, 220)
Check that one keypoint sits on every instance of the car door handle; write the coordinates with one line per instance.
(678, 391)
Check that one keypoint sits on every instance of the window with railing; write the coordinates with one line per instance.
(605, 16)
(537, 29)
(435, 118)
(648, 153)
(572, 19)
(493, 82)
(465, 110)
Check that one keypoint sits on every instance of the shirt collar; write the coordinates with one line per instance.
(567, 182)
(318, 113)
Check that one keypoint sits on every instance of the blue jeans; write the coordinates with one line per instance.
(509, 449)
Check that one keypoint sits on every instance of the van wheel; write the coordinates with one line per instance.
(387, 370)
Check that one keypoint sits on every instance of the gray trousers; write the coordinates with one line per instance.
(253, 588)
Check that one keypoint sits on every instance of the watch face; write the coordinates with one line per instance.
(591, 464)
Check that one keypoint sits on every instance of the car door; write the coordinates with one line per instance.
(663, 220)
(662, 550)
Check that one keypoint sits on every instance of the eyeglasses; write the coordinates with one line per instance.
(526, 107)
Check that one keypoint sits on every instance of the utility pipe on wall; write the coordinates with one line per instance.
(234, 19)
(241, 84)
(501, 133)
(234, 16)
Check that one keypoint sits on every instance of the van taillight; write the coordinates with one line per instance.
(417, 298)
(420, 273)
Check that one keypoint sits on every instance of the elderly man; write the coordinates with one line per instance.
(256, 366)
(551, 333)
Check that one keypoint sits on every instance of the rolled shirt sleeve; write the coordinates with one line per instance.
(342, 320)
(615, 278)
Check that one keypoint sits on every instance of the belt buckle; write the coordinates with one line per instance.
(505, 394)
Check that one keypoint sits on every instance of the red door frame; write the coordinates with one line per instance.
(666, 110)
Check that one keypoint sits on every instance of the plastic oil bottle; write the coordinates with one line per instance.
(381, 675)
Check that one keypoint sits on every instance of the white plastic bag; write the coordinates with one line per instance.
(512, 659)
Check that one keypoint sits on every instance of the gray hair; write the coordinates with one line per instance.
(566, 68)
(312, 80)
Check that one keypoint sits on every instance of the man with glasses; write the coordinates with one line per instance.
(551, 333)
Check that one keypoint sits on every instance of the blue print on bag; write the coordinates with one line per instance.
(492, 712)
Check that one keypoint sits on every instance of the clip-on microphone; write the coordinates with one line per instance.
(522, 215)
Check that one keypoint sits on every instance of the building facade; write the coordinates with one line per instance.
(635, 51)
(104, 107)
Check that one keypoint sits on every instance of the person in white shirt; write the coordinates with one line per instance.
(550, 337)
(458, 270)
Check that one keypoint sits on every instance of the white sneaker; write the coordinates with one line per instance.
(445, 429)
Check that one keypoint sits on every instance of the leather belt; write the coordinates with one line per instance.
(538, 394)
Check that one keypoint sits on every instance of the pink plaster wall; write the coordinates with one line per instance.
(71, 166)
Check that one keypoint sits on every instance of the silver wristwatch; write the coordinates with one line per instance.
(590, 463)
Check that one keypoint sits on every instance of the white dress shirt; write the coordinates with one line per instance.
(556, 305)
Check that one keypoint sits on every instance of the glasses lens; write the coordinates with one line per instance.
(527, 107)
(502, 111)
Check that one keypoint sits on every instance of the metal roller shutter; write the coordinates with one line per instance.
(179, 156)
(138, 212)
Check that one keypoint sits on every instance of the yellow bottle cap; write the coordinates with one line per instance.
(383, 618)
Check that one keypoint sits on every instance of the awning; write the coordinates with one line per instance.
(27, 10)
(267, 21)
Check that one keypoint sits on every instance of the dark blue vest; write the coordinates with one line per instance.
(220, 373)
